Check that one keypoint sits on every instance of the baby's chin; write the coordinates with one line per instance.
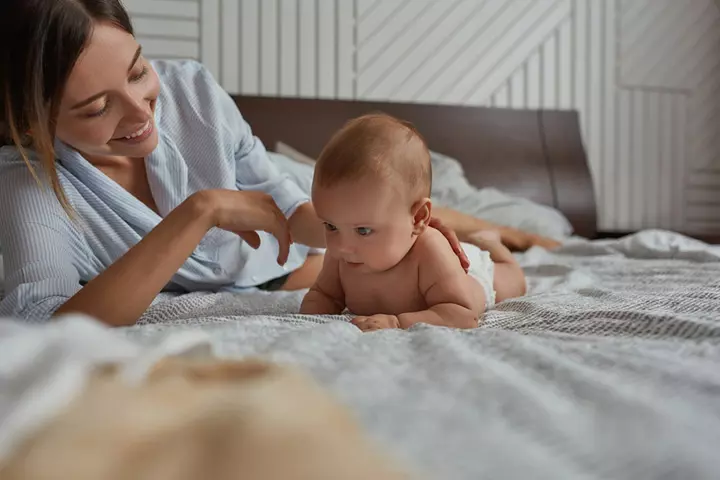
(371, 267)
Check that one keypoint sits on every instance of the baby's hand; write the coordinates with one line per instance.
(376, 322)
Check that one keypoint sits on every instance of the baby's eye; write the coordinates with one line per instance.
(363, 231)
(330, 227)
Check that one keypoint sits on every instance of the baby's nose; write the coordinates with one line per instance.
(345, 248)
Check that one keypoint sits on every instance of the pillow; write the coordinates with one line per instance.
(452, 189)
(288, 151)
(300, 173)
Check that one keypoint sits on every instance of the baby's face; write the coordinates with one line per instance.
(368, 223)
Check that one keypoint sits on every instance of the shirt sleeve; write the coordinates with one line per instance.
(35, 234)
(254, 170)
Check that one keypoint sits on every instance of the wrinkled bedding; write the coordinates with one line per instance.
(609, 368)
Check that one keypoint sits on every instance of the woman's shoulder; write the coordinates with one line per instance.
(25, 193)
(11, 156)
(24, 165)
(182, 74)
(190, 94)
(15, 169)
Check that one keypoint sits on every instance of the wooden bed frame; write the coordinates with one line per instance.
(538, 155)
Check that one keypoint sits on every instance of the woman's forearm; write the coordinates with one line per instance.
(465, 226)
(121, 294)
(306, 228)
(462, 224)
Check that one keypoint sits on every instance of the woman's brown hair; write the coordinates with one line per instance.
(40, 42)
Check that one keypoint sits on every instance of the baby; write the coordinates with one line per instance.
(371, 189)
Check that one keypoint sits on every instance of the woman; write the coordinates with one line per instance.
(154, 175)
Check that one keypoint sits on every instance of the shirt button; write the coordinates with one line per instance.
(218, 270)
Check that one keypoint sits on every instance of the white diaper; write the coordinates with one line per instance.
(482, 269)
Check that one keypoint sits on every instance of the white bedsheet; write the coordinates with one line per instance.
(607, 369)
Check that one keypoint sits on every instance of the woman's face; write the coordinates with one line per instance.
(109, 100)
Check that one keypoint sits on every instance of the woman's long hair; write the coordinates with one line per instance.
(40, 42)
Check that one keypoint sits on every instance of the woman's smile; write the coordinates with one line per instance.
(138, 136)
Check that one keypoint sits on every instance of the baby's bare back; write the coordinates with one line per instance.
(402, 289)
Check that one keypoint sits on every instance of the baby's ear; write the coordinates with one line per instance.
(422, 211)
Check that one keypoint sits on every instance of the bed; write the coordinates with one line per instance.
(608, 368)
(536, 155)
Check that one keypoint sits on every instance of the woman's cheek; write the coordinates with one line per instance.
(86, 133)
(102, 134)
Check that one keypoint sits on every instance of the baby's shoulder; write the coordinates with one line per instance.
(435, 255)
(433, 244)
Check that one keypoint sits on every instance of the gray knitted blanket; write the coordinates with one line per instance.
(609, 368)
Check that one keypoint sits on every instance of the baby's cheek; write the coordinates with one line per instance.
(391, 250)
(331, 242)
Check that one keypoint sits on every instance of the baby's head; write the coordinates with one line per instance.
(371, 188)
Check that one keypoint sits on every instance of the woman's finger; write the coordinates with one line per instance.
(454, 241)
(281, 231)
(252, 238)
(515, 240)
(546, 243)
(458, 249)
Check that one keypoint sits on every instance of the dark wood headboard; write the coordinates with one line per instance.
(538, 155)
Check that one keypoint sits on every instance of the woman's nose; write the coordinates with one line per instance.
(137, 108)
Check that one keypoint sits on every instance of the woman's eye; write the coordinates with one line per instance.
(136, 78)
(363, 231)
(330, 227)
(99, 113)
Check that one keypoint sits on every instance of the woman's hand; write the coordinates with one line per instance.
(247, 212)
(453, 239)
(306, 228)
(519, 241)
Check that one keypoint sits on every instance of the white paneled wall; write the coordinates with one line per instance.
(644, 74)
(167, 28)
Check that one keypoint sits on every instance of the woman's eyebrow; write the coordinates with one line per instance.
(91, 99)
(135, 58)
(87, 101)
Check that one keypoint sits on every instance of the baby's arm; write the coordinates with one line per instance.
(453, 298)
(326, 297)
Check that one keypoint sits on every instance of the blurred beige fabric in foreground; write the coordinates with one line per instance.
(201, 419)
(78, 401)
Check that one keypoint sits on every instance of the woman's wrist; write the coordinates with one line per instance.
(204, 207)
(306, 228)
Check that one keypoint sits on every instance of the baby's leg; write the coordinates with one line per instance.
(509, 279)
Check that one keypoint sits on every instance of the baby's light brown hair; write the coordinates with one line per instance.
(379, 146)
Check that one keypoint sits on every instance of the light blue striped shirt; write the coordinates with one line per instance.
(204, 143)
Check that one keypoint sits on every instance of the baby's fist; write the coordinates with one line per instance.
(376, 322)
